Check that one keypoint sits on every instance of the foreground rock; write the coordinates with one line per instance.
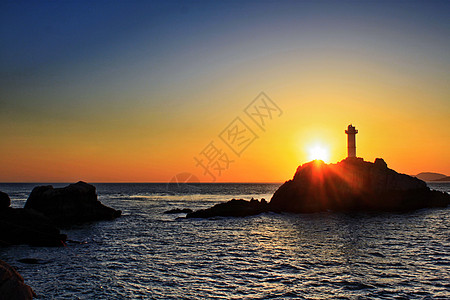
(5, 201)
(12, 285)
(354, 185)
(73, 204)
(21, 226)
(232, 208)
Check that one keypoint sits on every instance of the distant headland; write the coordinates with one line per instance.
(349, 185)
(431, 177)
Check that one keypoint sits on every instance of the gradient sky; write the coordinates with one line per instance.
(132, 91)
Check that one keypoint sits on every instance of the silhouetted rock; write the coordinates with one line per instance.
(178, 211)
(73, 204)
(232, 208)
(5, 202)
(12, 285)
(350, 185)
(20, 226)
(354, 185)
(25, 226)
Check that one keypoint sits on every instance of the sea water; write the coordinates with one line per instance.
(146, 254)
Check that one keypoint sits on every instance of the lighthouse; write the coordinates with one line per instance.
(351, 143)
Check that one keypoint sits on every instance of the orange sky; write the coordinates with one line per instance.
(141, 109)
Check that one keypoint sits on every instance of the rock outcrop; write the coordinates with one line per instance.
(350, 185)
(73, 204)
(12, 285)
(22, 226)
(354, 185)
(5, 201)
(232, 208)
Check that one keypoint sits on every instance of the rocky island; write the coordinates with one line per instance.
(74, 204)
(354, 185)
(348, 186)
(46, 210)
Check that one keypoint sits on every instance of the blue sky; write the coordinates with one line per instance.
(153, 67)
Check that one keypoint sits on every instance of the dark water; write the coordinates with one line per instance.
(146, 254)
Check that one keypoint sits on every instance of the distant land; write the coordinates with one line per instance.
(429, 176)
(446, 178)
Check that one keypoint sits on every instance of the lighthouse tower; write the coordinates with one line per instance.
(351, 143)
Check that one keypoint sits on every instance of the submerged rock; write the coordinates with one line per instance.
(12, 285)
(31, 261)
(73, 204)
(232, 208)
(354, 185)
(178, 211)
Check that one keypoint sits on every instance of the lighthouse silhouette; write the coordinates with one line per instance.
(351, 140)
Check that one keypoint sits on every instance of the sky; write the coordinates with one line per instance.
(143, 91)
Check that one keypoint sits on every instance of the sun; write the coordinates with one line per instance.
(319, 152)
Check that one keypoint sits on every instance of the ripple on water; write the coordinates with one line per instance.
(146, 254)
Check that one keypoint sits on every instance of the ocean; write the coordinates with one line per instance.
(146, 254)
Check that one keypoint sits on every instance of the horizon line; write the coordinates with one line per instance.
(144, 182)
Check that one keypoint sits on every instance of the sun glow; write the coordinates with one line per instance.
(319, 152)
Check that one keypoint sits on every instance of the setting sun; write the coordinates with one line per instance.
(318, 151)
